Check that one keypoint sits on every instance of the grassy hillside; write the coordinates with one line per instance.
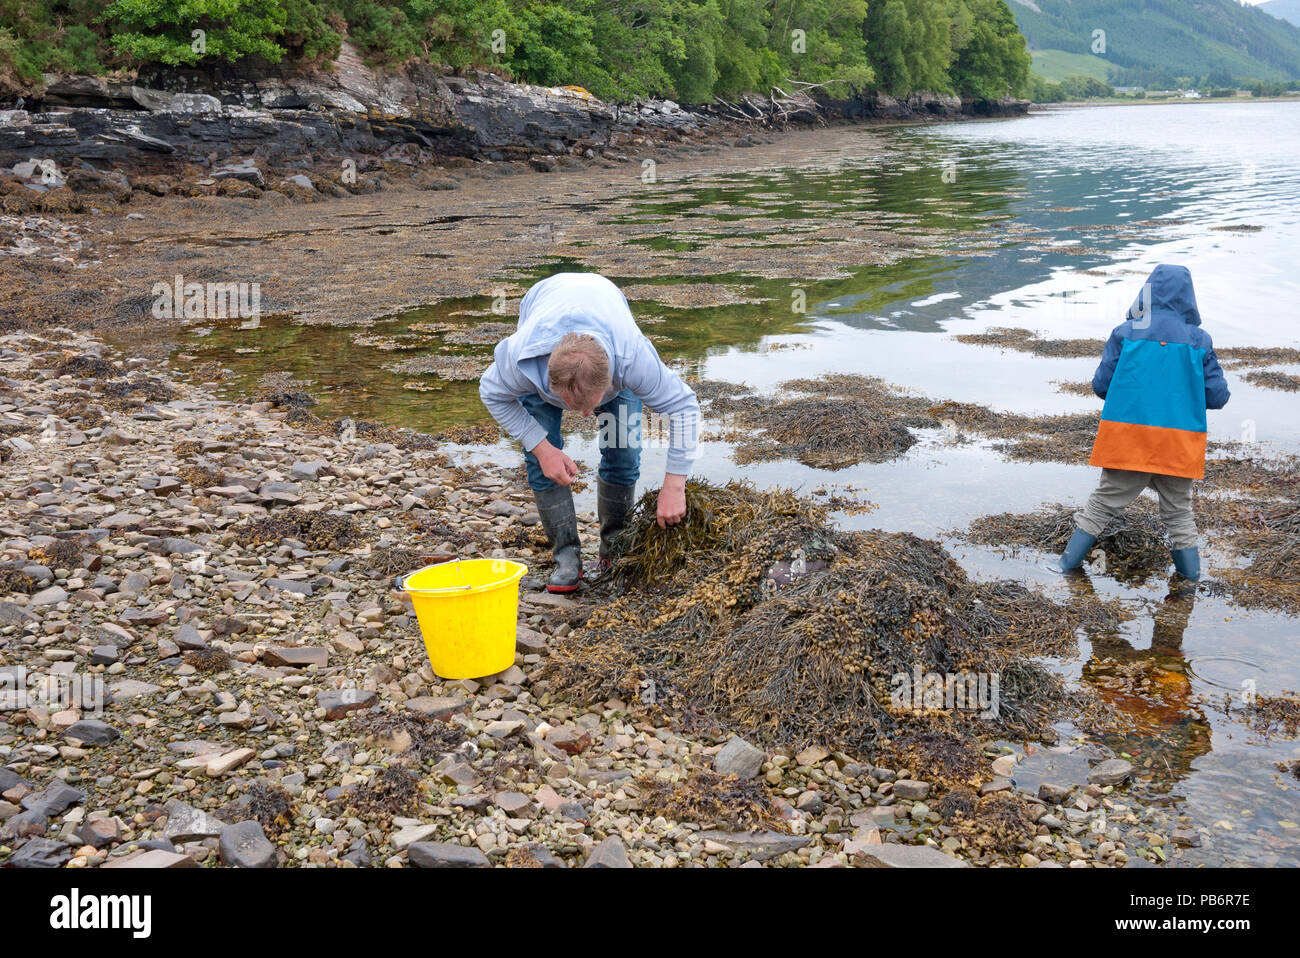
(1056, 65)
(1160, 40)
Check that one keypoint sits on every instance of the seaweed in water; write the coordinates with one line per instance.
(1134, 545)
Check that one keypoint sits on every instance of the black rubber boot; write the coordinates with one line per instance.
(555, 506)
(613, 505)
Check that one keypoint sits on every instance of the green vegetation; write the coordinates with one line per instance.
(1056, 65)
(690, 50)
(1155, 43)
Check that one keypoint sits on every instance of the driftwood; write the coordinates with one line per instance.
(778, 110)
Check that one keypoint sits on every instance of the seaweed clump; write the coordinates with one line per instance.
(998, 823)
(1275, 716)
(1027, 341)
(59, 554)
(210, 659)
(758, 616)
(826, 433)
(270, 805)
(14, 579)
(411, 734)
(317, 530)
(394, 791)
(710, 800)
(1271, 379)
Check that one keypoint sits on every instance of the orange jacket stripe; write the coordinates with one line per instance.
(1168, 452)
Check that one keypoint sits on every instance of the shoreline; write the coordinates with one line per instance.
(510, 215)
(227, 631)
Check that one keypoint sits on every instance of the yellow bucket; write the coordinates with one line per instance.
(468, 611)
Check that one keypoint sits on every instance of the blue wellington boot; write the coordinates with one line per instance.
(1188, 563)
(1076, 550)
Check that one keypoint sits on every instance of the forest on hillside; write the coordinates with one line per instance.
(1168, 43)
(688, 50)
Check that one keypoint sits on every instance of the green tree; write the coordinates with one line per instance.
(993, 61)
(163, 31)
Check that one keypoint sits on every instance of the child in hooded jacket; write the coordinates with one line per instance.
(1158, 375)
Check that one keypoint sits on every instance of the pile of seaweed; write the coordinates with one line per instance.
(758, 617)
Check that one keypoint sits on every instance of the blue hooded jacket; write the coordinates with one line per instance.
(1158, 375)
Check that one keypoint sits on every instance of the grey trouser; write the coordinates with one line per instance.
(1119, 487)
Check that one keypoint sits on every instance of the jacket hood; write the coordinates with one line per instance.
(1167, 292)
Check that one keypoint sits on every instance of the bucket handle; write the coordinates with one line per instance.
(399, 583)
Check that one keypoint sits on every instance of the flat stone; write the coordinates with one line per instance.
(610, 853)
(529, 639)
(52, 799)
(512, 803)
(131, 689)
(812, 755)
(245, 845)
(1110, 772)
(439, 707)
(188, 824)
(760, 845)
(41, 853)
(54, 594)
(911, 789)
(906, 856)
(445, 855)
(339, 702)
(104, 655)
(187, 637)
(290, 585)
(228, 761)
(92, 732)
(296, 657)
(152, 858)
(739, 758)
(1056, 794)
(99, 832)
(997, 785)
(408, 835)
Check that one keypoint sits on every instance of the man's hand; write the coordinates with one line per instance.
(556, 466)
(672, 500)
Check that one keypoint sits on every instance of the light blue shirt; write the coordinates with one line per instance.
(586, 303)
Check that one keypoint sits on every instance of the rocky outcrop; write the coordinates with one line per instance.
(256, 117)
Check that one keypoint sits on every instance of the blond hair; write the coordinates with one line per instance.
(579, 366)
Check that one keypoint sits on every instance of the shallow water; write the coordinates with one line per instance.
(1048, 223)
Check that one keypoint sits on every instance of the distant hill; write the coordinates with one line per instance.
(1284, 9)
(1158, 40)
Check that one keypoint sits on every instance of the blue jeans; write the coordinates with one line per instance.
(619, 425)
